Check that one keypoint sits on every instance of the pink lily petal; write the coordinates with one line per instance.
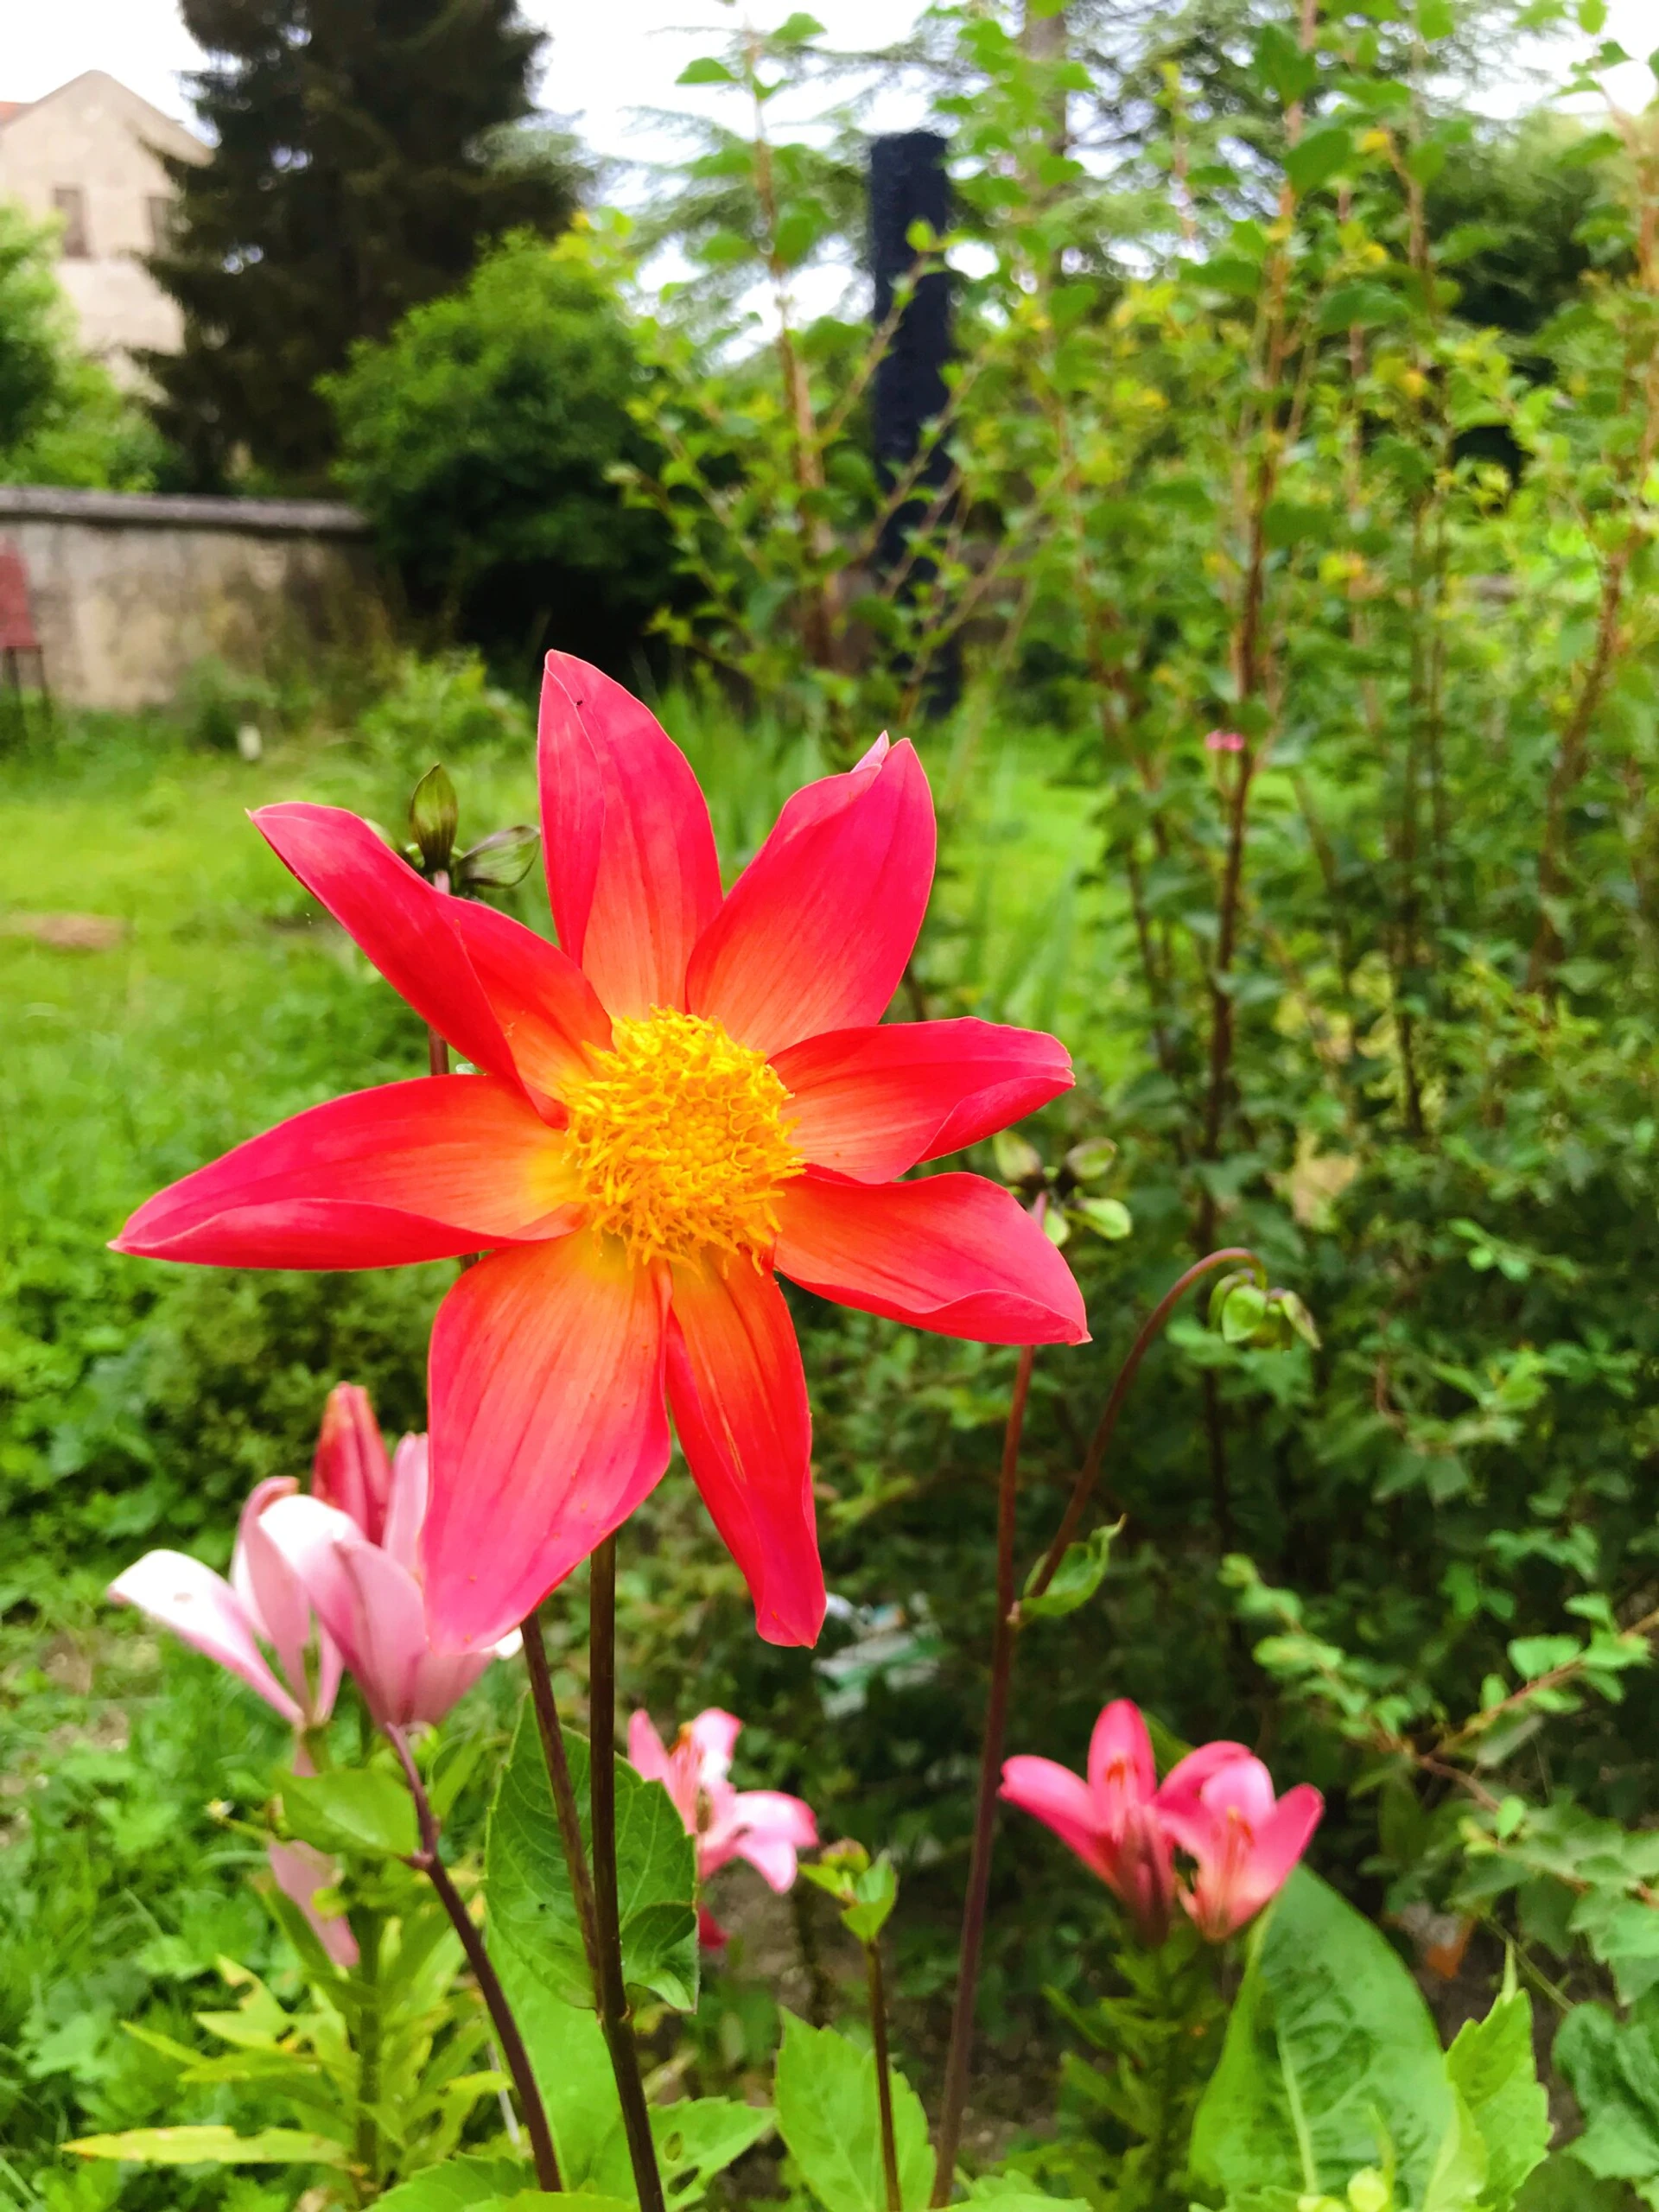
(548, 1427)
(401, 924)
(409, 1489)
(276, 1599)
(952, 1253)
(300, 1870)
(738, 1394)
(772, 1830)
(714, 1732)
(1061, 1801)
(647, 1753)
(871, 1103)
(1186, 1779)
(426, 1169)
(1122, 1770)
(1243, 1844)
(201, 1608)
(630, 854)
(350, 1469)
(816, 931)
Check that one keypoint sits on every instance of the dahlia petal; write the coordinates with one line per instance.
(350, 1469)
(816, 931)
(548, 1010)
(400, 923)
(871, 1103)
(548, 1427)
(738, 1396)
(952, 1253)
(202, 1610)
(630, 853)
(1061, 1801)
(424, 1170)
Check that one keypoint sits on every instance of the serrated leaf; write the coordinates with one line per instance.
(358, 1809)
(223, 2146)
(1492, 2067)
(455, 2186)
(829, 2117)
(529, 1887)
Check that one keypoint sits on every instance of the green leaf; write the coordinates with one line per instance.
(706, 71)
(829, 2116)
(1079, 1575)
(1435, 19)
(223, 2146)
(1089, 1161)
(1017, 1161)
(573, 2071)
(699, 2138)
(875, 1892)
(1243, 1313)
(1313, 161)
(1360, 307)
(356, 1809)
(529, 1888)
(1330, 2056)
(1613, 2071)
(1107, 1218)
(1458, 2182)
(455, 2186)
(1492, 2067)
(795, 30)
(525, 2200)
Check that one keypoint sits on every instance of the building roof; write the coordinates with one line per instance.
(176, 137)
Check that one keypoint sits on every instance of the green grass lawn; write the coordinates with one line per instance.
(138, 1404)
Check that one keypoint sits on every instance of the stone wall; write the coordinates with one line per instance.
(128, 590)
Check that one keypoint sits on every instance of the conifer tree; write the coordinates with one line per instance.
(363, 157)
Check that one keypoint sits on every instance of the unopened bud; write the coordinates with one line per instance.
(434, 816)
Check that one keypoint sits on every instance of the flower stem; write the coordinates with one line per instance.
(883, 2074)
(990, 1767)
(614, 2015)
(1082, 1489)
(426, 1861)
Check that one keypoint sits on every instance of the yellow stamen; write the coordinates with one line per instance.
(677, 1141)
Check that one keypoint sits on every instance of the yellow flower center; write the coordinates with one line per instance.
(677, 1141)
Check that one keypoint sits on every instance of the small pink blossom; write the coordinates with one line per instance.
(1243, 1843)
(263, 1605)
(371, 1595)
(1223, 740)
(764, 1826)
(1216, 1806)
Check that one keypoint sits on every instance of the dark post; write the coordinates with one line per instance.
(908, 184)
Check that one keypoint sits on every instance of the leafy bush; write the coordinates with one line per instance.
(479, 440)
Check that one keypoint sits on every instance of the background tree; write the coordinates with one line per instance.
(364, 157)
(480, 439)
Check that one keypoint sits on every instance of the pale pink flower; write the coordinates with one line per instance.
(764, 1826)
(262, 1604)
(371, 1596)
(1243, 1843)
(1223, 740)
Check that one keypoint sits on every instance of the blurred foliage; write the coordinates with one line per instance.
(480, 439)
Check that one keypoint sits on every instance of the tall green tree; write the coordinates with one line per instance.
(364, 154)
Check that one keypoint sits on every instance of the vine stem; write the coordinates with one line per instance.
(426, 1861)
(883, 2074)
(614, 2015)
(990, 1767)
(1082, 1489)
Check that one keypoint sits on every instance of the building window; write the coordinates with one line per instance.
(70, 201)
(159, 207)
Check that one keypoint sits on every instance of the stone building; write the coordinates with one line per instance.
(87, 154)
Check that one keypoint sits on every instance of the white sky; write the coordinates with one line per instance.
(608, 60)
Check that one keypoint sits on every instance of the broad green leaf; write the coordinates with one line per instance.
(795, 30)
(1613, 2071)
(1492, 2067)
(699, 2138)
(573, 2071)
(525, 2200)
(1313, 161)
(354, 1809)
(529, 1888)
(1560, 2184)
(829, 2116)
(223, 2146)
(455, 2186)
(1458, 2183)
(706, 71)
(1079, 1575)
(1014, 2193)
(1329, 2054)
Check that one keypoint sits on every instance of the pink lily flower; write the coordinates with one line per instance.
(765, 1827)
(1110, 1818)
(369, 1595)
(350, 1469)
(695, 1094)
(1243, 1843)
(262, 1604)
